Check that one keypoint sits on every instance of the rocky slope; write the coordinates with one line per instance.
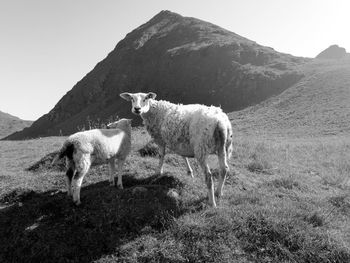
(183, 60)
(10, 124)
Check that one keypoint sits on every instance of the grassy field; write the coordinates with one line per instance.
(286, 200)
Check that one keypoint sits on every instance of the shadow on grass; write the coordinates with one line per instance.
(47, 227)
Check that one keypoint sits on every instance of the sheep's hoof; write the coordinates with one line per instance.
(213, 205)
(77, 203)
(120, 186)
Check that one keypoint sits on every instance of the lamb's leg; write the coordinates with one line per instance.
(111, 172)
(161, 159)
(69, 175)
(224, 168)
(189, 169)
(120, 176)
(208, 179)
(82, 167)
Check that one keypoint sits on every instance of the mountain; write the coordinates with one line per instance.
(317, 105)
(10, 124)
(333, 52)
(182, 59)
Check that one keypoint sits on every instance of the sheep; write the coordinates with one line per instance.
(192, 130)
(106, 145)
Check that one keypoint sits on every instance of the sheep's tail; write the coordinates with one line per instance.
(223, 134)
(66, 150)
(229, 140)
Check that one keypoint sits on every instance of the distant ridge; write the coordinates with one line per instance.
(182, 59)
(333, 52)
(10, 124)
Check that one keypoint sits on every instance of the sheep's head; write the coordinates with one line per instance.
(139, 101)
(121, 124)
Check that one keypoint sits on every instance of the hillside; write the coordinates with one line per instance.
(319, 104)
(10, 124)
(182, 59)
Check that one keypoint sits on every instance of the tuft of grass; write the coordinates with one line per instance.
(17, 195)
(315, 219)
(45, 163)
(150, 149)
(260, 160)
(287, 183)
(341, 202)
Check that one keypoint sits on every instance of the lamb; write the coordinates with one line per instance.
(192, 130)
(106, 145)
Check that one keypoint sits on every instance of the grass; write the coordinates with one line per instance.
(294, 208)
(150, 149)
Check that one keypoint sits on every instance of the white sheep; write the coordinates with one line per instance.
(192, 130)
(104, 145)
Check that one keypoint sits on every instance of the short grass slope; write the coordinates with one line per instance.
(317, 105)
(286, 200)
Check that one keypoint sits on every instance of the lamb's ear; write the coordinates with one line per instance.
(109, 125)
(126, 96)
(151, 95)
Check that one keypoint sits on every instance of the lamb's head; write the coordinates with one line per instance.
(123, 124)
(140, 102)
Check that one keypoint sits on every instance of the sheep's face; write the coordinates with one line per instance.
(139, 101)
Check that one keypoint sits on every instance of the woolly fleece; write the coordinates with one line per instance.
(187, 130)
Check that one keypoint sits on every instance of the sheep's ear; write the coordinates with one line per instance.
(109, 125)
(126, 96)
(151, 95)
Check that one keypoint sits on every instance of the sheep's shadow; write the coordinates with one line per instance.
(47, 226)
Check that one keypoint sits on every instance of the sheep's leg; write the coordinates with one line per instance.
(69, 175)
(120, 176)
(224, 168)
(209, 180)
(161, 159)
(189, 169)
(82, 169)
(111, 172)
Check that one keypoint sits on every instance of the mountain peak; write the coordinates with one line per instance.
(166, 14)
(332, 52)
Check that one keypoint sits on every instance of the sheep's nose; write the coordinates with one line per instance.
(137, 109)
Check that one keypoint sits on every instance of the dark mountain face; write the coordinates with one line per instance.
(183, 60)
(10, 124)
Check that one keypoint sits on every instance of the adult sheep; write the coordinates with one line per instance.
(192, 130)
(106, 145)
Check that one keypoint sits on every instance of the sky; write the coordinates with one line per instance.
(47, 46)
